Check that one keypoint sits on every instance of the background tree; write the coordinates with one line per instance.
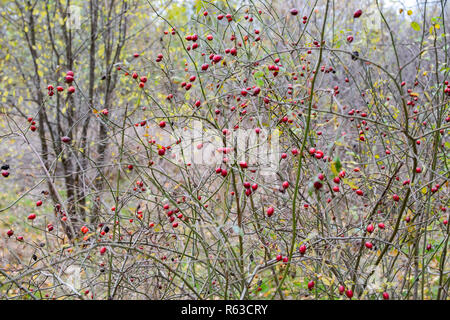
(112, 113)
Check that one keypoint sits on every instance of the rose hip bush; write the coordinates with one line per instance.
(224, 150)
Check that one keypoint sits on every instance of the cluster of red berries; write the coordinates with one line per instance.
(32, 124)
(447, 89)
(69, 78)
(172, 213)
(280, 257)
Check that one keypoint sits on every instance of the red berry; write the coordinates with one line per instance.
(341, 289)
(69, 79)
(318, 185)
(357, 13)
(349, 293)
(302, 249)
(243, 164)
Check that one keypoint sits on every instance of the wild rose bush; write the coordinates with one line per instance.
(224, 150)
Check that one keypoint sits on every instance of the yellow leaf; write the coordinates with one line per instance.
(327, 281)
(333, 169)
(350, 183)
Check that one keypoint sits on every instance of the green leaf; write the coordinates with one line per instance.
(264, 287)
(198, 6)
(258, 74)
(435, 20)
(415, 26)
(337, 162)
(260, 82)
